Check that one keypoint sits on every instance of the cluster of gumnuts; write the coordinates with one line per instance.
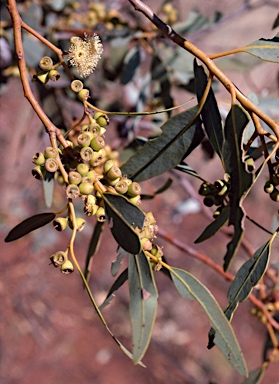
(216, 193)
(49, 71)
(270, 188)
(92, 167)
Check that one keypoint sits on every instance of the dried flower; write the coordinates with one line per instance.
(85, 54)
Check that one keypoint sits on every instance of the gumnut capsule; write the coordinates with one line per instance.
(38, 158)
(86, 153)
(67, 267)
(84, 139)
(60, 223)
(268, 187)
(76, 86)
(101, 118)
(72, 191)
(46, 63)
(41, 77)
(134, 189)
(53, 75)
(38, 172)
(80, 223)
(114, 173)
(100, 214)
(58, 258)
(50, 152)
(51, 165)
(121, 187)
(97, 143)
(74, 177)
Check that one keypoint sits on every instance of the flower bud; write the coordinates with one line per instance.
(86, 153)
(221, 187)
(67, 267)
(83, 169)
(86, 188)
(146, 244)
(59, 258)
(114, 172)
(92, 176)
(38, 158)
(76, 86)
(135, 200)
(149, 219)
(90, 207)
(97, 143)
(134, 189)
(205, 189)
(74, 177)
(53, 75)
(60, 223)
(274, 195)
(209, 200)
(101, 118)
(72, 191)
(84, 94)
(108, 164)
(46, 63)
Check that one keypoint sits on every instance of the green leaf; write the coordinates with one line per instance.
(123, 218)
(143, 303)
(29, 225)
(188, 286)
(169, 149)
(240, 179)
(131, 63)
(214, 227)
(265, 49)
(246, 278)
(115, 286)
(210, 113)
(93, 247)
(255, 376)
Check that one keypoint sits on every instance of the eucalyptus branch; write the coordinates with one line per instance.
(17, 25)
(212, 67)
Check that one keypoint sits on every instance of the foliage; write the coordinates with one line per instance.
(92, 173)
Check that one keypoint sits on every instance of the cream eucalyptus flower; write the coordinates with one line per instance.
(84, 54)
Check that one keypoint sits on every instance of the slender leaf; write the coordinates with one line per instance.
(240, 179)
(131, 63)
(93, 247)
(183, 167)
(265, 49)
(246, 278)
(123, 218)
(143, 303)
(214, 227)
(48, 184)
(210, 113)
(169, 149)
(188, 286)
(29, 225)
(276, 22)
(162, 189)
(116, 264)
(159, 72)
(255, 376)
(115, 286)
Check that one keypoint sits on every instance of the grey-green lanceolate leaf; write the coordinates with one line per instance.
(179, 134)
(123, 218)
(240, 179)
(210, 113)
(255, 376)
(247, 277)
(189, 287)
(214, 227)
(143, 303)
(265, 49)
